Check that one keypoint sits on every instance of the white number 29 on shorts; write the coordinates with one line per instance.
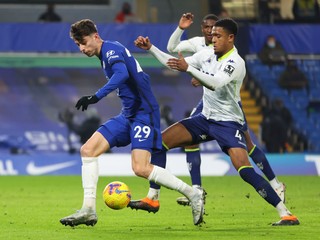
(142, 132)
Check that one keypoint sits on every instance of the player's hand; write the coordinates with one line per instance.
(85, 101)
(186, 20)
(195, 82)
(179, 64)
(143, 43)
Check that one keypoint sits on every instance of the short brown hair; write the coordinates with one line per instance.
(82, 28)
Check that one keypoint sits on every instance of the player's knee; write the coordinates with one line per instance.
(140, 170)
(85, 151)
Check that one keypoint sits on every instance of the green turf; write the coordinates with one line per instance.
(30, 208)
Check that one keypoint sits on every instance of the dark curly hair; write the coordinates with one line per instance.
(228, 24)
(210, 16)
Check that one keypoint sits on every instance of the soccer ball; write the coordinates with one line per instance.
(116, 195)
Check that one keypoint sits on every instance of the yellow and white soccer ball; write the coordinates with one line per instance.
(116, 195)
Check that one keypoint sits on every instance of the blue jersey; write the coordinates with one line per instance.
(125, 75)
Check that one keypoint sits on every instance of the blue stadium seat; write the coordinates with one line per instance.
(314, 94)
(302, 102)
(314, 118)
(277, 69)
(314, 84)
(296, 101)
(277, 92)
(314, 141)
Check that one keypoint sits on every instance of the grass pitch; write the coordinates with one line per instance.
(30, 208)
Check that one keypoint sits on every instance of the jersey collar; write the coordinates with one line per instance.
(100, 55)
(226, 55)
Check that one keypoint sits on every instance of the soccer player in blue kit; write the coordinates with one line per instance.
(221, 73)
(138, 124)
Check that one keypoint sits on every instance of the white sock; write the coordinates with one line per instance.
(282, 209)
(275, 183)
(164, 178)
(153, 194)
(90, 175)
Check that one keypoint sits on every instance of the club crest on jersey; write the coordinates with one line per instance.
(203, 136)
(228, 69)
(110, 53)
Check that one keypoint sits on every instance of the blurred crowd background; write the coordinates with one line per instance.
(167, 11)
(42, 74)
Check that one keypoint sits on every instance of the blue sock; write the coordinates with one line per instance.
(194, 162)
(261, 161)
(159, 159)
(260, 184)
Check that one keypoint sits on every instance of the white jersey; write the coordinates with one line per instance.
(221, 104)
(191, 45)
(223, 78)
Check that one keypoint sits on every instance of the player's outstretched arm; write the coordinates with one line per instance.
(175, 44)
(186, 20)
(179, 64)
(145, 43)
(209, 81)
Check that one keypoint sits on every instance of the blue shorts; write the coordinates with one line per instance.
(228, 134)
(142, 131)
(197, 109)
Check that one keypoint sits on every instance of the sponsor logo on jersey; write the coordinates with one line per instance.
(228, 69)
(111, 57)
(115, 56)
(110, 53)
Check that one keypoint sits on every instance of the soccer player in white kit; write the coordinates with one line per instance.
(222, 119)
(194, 45)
